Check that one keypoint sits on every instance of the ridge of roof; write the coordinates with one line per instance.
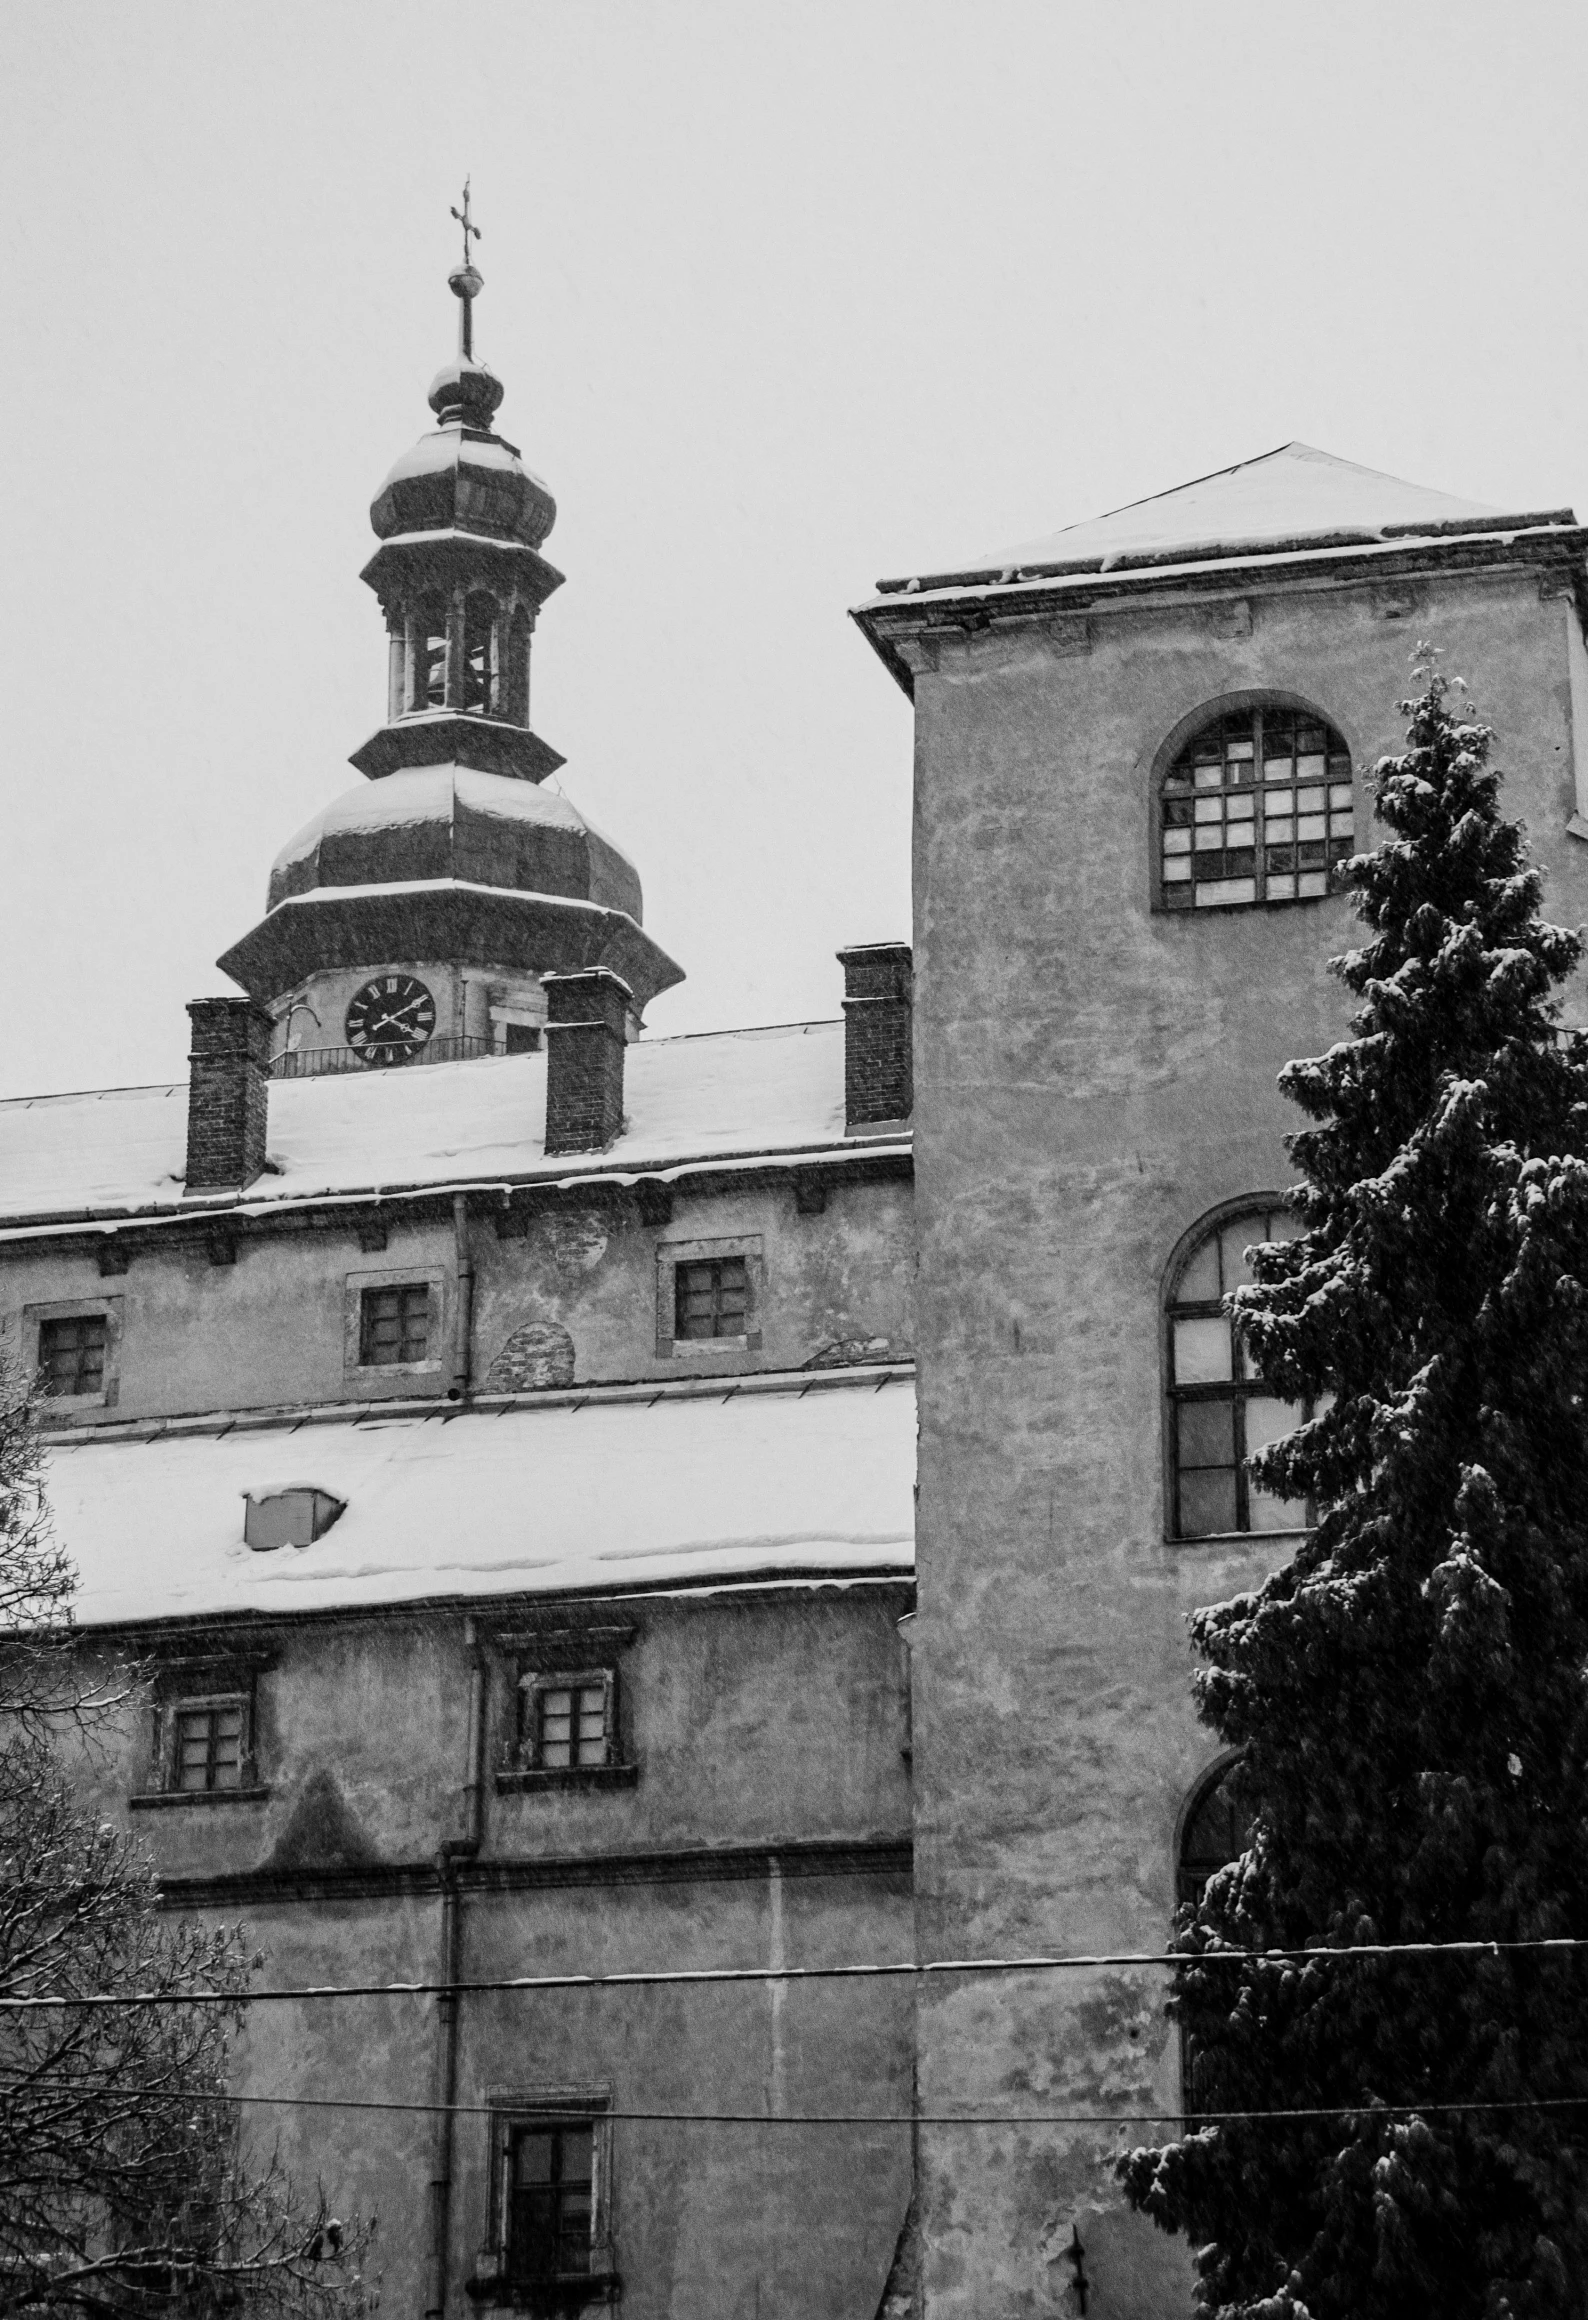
(1291, 496)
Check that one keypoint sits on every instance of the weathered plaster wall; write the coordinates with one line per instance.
(768, 1824)
(728, 2219)
(278, 1324)
(1091, 1078)
(769, 1716)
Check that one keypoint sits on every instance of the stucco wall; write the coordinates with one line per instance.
(277, 1326)
(1092, 1076)
(768, 1824)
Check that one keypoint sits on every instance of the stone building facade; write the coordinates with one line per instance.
(1138, 744)
(495, 1430)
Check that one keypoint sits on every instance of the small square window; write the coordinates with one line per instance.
(72, 1354)
(394, 1325)
(711, 1298)
(209, 1741)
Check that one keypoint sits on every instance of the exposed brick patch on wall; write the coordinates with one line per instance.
(228, 1091)
(537, 1355)
(587, 1017)
(879, 1077)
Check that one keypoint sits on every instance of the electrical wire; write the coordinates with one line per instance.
(710, 1976)
(1178, 2119)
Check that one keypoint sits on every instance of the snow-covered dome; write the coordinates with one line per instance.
(463, 478)
(452, 821)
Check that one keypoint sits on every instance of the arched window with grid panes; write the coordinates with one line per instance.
(1219, 1412)
(1257, 806)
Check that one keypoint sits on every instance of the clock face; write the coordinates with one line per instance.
(390, 1019)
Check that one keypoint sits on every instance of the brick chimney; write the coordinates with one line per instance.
(228, 1080)
(586, 1032)
(879, 1073)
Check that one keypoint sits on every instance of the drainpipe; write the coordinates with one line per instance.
(445, 2077)
(463, 1322)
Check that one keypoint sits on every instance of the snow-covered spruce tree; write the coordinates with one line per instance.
(1411, 1693)
(126, 2188)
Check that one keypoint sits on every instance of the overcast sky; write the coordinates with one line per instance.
(785, 297)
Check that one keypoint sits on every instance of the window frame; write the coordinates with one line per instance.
(369, 1322)
(35, 1317)
(670, 1255)
(514, 2111)
(534, 1685)
(1254, 704)
(1238, 1389)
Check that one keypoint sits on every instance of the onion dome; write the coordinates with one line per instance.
(451, 821)
(447, 862)
(463, 477)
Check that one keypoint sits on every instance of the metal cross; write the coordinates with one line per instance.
(462, 216)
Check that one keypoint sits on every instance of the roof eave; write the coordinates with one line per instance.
(906, 608)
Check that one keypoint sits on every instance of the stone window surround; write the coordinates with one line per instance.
(437, 1280)
(549, 1658)
(670, 1255)
(191, 1683)
(77, 1309)
(512, 2107)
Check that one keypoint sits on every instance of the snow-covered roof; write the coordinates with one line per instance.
(717, 1097)
(427, 793)
(1294, 494)
(805, 1477)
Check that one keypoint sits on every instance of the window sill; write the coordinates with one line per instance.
(565, 2293)
(1240, 1538)
(523, 1780)
(160, 1799)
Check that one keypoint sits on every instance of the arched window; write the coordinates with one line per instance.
(480, 689)
(1219, 1411)
(1214, 1831)
(514, 658)
(1256, 807)
(430, 644)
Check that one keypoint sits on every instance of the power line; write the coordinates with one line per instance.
(709, 1976)
(1179, 2119)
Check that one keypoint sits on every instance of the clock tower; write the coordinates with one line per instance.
(414, 917)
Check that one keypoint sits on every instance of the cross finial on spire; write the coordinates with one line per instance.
(466, 283)
(469, 229)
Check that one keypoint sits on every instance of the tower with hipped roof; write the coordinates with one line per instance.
(1140, 751)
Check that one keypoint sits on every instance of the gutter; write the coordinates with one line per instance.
(463, 1315)
(453, 1851)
